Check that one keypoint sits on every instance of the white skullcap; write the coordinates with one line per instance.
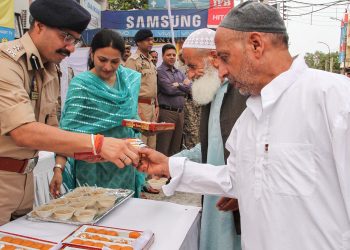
(200, 39)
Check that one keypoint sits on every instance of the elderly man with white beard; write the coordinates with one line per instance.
(222, 105)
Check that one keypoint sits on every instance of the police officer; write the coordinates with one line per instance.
(141, 61)
(29, 91)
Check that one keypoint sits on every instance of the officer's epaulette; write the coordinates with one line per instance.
(13, 49)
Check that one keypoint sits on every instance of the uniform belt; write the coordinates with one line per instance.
(179, 110)
(147, 100)
(18, 166)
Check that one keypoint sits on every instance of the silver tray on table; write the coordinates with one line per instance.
(120, 194)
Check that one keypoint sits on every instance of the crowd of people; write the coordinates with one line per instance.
(271, 157)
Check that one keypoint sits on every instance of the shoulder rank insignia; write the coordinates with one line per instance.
(14, 50)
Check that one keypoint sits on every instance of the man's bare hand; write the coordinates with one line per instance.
(227, 204)
(120, 152)
(153, 162)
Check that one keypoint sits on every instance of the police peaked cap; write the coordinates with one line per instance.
(66, 14)
(143, 34)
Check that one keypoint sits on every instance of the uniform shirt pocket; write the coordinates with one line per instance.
(291, 169)
(146, 72)
(50, 93)
(47, 111)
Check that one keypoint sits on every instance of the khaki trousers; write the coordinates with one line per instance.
(169, 142)
(148, 115)
(16, 195)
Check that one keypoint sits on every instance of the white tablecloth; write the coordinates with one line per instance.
(175, 226)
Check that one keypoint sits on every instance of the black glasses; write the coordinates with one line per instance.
(70, 39)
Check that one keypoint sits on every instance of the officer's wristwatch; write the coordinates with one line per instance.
(58, 166)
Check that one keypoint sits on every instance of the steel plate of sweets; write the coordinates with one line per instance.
(148, 126)
(98, 237)
(9, 241)
(83, 205)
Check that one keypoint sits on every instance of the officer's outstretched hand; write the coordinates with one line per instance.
(120, 152)
(153, 162)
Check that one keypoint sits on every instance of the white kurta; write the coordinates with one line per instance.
(289, 164)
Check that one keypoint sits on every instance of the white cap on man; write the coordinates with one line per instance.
(200, 39)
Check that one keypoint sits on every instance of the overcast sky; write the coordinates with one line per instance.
(306, 31)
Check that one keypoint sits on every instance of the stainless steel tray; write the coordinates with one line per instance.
(121, 196)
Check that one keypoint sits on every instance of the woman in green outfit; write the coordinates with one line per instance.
(97, 101)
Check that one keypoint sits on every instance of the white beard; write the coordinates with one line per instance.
(205, 87)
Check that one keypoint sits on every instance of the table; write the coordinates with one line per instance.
(175, 226)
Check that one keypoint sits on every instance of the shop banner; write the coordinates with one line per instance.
(217, 11)
(94, 9)
(6, 34)
(155, 19)
(7, 16)
(343, 35)
(179, 4)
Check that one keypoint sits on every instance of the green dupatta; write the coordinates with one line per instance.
(92, 106)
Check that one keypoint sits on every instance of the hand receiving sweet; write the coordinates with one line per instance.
(153, 162)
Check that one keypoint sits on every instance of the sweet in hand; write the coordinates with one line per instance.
(153, 162)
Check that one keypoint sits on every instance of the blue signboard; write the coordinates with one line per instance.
(161, 36)
(89, 34)
(179, 4)
(6, 34)
(154, 19)
(158, 33)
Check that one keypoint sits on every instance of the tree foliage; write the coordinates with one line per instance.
(127, 5)
(320, 60)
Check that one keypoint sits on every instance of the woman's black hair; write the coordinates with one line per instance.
(103, 39)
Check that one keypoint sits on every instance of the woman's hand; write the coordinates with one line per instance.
(56, 182)
(120, 152)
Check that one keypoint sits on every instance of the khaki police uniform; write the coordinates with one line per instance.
(29, 92)
(148, 90)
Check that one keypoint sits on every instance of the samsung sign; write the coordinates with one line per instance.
(155, 19)
(163, 22)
